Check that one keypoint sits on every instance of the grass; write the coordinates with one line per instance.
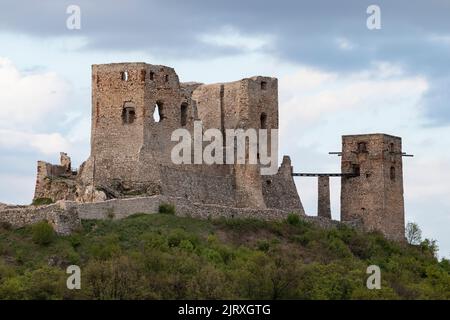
(42, 201)
(163, 256)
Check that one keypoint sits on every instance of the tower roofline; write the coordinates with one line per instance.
(370, 134)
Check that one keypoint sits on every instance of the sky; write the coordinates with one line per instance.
(336, 77)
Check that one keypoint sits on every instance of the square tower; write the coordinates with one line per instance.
(135, 107)
(374, 193)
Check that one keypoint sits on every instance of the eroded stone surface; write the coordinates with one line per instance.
(375, 195)
(135, 109)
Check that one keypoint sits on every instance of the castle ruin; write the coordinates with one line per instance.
(135, 109)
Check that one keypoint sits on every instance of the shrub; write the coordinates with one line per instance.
(75, 240)
(167, 208)
(5, 225)
(43, 233)
(430, 246)
(293, 219)
(42, 201)
(105, 247)
(263, 245)
(187, 245)
(110, 214)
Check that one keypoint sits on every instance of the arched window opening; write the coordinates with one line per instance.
(184, 114)
(263, 120)
(392, 173)
(166, 78)
(143, 74)
(124, 75)
(128, 114)
(152, 75)
(158, 113)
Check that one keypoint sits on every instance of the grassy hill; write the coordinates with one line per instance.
(162, 256)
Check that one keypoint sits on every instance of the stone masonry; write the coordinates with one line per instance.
(323, 203)
(131, 148)
(375, 194)
(135, 109)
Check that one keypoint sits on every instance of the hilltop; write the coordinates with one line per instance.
(162, 256)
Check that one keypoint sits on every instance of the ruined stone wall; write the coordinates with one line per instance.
(250, 103)
(122, 208)
(323, 203)
(211, 184)
(375, 195)
(63, 221)
(56, 182)
(131, 151)
(279, 190)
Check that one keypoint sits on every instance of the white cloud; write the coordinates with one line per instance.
(28, 99)
(30, 102)
(230, 37)
(310, 94)
(42, 142)
(16, 188)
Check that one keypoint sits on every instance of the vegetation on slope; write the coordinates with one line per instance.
(162, 256)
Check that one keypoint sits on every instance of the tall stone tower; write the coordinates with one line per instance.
(127, 143)
(374, 194)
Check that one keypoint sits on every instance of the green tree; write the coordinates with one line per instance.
(413, 233)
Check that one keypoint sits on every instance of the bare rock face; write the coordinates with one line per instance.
(91, 194)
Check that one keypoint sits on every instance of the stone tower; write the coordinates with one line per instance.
(135, 109)
(126, 141)
(374, 194)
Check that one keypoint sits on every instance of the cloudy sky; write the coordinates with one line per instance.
(335, 77)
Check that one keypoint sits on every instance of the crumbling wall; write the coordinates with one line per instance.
(323, 201)
(56, 182)
(131, 150)
(63, 221)
(280, 191)
(122, 208)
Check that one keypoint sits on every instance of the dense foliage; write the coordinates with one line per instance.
(162, 256)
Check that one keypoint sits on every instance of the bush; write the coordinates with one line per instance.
(263, 245)
(5, 225)
(293, 219)
(167, 208)
(42, 201)
(43, 233)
